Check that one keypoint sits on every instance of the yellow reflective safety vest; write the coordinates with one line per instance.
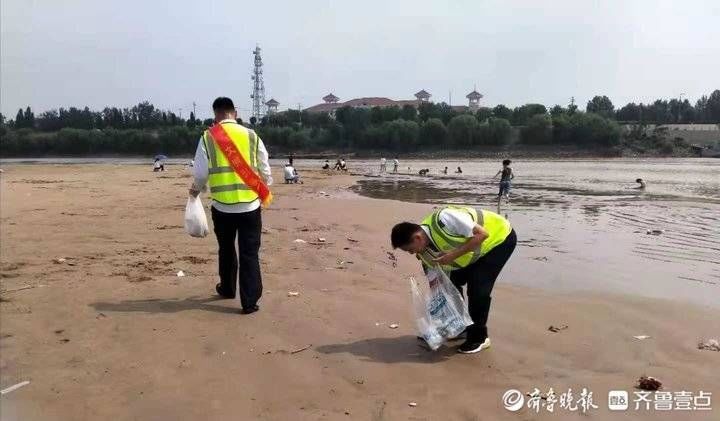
(225, 185)
(498, 229)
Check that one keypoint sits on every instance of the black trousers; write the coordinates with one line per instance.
(480, 278)
(247, 228)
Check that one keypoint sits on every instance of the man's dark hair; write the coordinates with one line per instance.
(638, 180)
(223, 104)
(402, 233)
(507, 162)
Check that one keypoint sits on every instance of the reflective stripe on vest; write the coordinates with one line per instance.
(498, 229)
(225, 185)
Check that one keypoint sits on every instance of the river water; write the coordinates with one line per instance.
(582, 225)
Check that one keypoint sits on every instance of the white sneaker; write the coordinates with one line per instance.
(473, 347)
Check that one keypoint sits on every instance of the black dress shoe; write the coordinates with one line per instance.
(222, 293)
(250, 310)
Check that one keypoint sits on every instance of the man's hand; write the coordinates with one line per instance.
(193, 192)
(445, 259)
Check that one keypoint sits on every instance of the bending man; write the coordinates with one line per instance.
(473, 247)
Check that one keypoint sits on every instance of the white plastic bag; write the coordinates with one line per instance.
(440, 312)
(195, 220)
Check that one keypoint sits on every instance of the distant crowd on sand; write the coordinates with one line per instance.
(292, 176)
(340, 165)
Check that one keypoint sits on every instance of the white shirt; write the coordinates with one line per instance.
(289, 172)
(396, 162)
(200, 171)
(383, 160)
(455, 222)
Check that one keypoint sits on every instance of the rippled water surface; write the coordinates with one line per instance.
(583, 224)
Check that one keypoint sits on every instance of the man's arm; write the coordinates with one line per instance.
(479, 235)
(200, 170)
(498, 173)
(462, 225)
(264, 163)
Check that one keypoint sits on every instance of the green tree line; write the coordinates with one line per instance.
(145, 129)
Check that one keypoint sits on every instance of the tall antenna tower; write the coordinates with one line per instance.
(258, 95)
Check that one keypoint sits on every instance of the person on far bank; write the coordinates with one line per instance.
(383, 165)
(158, 165)
(396, 162)
(291, 174)
(506, 174)
(641, 183)
(238, 187)
(472, 246)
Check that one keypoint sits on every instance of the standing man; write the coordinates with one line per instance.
(234, 162)
(473, 247)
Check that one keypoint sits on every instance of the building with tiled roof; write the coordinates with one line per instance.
(423, 96)
(272, 106)
(330, 98)
(474, 98)
(331, 102)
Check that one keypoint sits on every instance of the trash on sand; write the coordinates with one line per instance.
(180, 274)
(321, 240)
(709, 345)
(556, 328)
(642, 337)
(282, 351)
(541, 259)
(60, 260)
(352, 240)
(379, 323)
(295, 351)
(654, 232)
(293, 294)
(392, 258)
(394, 326)
(17, 289)
(412, 404)
(265, 231)
(14, 387)
(300, 241)
(648, 383)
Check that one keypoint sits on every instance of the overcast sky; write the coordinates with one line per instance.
(96, 53)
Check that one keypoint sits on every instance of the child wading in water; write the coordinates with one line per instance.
(506, 174)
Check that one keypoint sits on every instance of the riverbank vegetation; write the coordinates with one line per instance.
(431, 128)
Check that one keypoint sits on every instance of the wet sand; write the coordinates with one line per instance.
(113, 333)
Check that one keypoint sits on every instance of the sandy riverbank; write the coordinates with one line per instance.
(113, 333)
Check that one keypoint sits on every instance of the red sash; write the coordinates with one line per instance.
(240, 165)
